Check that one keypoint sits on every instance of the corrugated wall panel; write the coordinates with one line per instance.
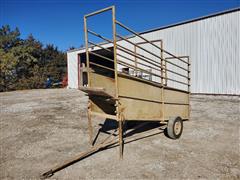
(213, 47)
(72, 60)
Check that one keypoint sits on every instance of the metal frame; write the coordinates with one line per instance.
(161, 88)
(161, 65)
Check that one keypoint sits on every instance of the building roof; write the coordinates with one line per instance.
(178, 24)
(193, 20)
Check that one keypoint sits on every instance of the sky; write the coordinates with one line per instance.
(60, 22)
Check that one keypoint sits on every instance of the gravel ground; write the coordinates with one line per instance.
(42, 128)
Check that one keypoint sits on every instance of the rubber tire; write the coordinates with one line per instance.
(170, 127)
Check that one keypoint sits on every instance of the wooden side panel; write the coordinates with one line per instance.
(101, 81)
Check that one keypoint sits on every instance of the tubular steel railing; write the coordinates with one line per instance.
(124, 56)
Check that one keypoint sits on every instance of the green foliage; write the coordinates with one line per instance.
(26, 63)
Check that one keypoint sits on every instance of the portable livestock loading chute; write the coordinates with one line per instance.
(131, 81)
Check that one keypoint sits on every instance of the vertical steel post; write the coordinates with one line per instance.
(87, 53)
(135, 58)
(164, 63)
(115, 51)
(162, 81)
(119, 119)
(188, 60)
(88, 83)
(90, 128)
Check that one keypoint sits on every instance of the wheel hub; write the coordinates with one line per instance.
(177, 127)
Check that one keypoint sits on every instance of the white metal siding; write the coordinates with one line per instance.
(72, 60)
(213, 47)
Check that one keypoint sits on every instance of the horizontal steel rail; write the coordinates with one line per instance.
(100, 11)
(98, 35)
(100, 46)
(132, 54)
(142, 99)
(140, 56)
(179, 59)
(123, 38)
(153, 41)
(137, 34)
(132, 66)
(150, 61)
(96, 54)
(159, 66)
(95, 64)
(137, 62)
(109, 41)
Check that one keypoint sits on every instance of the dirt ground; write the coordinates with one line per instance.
(42, 128)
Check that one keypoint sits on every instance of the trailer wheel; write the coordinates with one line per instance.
(175, 127)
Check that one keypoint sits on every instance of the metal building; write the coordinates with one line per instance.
(212, 42)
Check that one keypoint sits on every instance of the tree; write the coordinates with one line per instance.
(26, 63)
(8, 38)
